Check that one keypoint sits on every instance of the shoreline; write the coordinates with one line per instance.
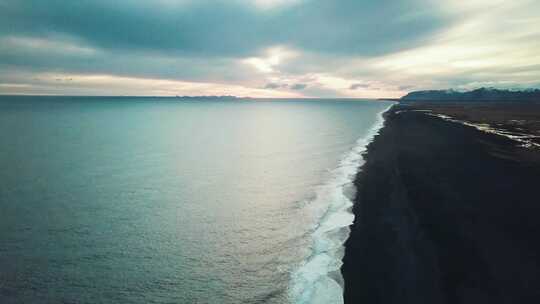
(319, 278)
(444, 213)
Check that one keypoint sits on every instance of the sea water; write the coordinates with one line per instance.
(163, 200)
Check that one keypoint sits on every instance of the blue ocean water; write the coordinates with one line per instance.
(160, 200)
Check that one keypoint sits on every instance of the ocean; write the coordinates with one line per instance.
(164, 200)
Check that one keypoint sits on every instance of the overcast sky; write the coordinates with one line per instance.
(266, 48)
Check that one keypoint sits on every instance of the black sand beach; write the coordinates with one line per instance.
(445, 213)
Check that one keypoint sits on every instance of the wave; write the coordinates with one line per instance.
(318, 279)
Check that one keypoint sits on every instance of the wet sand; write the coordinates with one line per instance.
(445, 213)
(513, 117)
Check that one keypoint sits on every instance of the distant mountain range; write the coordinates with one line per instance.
(482, 94)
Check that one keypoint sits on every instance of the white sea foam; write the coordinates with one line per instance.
(318, 279)
(525, 140)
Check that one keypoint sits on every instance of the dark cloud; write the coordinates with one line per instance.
(273, 85)
(203, 40)
(356, 86)
(370, 27)
(298, 86)
(123, 63)
(201, 27)
(226, 28)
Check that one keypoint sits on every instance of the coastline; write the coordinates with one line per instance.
(319, 279)
(443, 214)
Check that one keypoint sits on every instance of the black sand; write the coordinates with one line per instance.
(517, 118)
(444, 214)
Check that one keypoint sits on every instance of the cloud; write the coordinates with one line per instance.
(356, 86)
(342, 48)
(405, 87)
(236, 42)
(273, 85)
(57, 54)
(226, 28)
(298, 86)
(81, 84)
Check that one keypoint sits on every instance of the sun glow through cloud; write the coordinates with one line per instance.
(272, 58)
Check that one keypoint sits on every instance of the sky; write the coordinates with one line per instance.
(267, 48)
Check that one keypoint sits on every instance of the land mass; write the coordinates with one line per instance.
(446, 212)
(478, 95)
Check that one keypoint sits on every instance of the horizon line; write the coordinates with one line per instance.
(193, 96)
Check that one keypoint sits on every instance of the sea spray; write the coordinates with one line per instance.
(318, 279)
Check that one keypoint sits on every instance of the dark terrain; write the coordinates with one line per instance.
(445, 213)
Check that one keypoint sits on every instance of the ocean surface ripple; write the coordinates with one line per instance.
(159, 200)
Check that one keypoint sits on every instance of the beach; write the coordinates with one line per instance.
(446, 211)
